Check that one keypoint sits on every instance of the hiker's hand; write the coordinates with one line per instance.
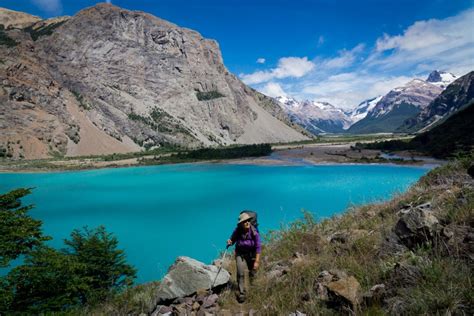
(256, 264)
(229, 242)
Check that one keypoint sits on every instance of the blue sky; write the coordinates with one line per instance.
(337, 51)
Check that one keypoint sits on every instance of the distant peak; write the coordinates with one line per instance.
(434, 76)
(443, 77)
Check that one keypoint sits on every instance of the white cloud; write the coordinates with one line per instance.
(345, 58)
(346, 90)
(446, 44)
(49, 6)
(261, 60)
(288, 67)
(273, 89)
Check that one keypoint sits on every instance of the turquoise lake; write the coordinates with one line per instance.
(161, 212)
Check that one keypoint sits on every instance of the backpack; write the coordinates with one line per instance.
(253, 219)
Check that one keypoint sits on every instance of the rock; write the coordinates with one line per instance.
(321, 291)
(337, 274)
(196, 306)
(186, 276)
(391, 245)
(417, 226)
(180, 310)
(345, 236)
(324, 277)
(297, 313)
(405, 274)
(162, 310)
(209, 301)
(375, 295)
(345, 292)
(277, 270)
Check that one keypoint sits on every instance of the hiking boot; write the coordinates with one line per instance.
(241, 298)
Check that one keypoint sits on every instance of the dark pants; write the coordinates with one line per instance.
(244, 260)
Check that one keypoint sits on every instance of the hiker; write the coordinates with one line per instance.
(247, 250)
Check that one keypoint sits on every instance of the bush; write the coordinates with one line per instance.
(6, 40)
(43, 31)
(208, 95)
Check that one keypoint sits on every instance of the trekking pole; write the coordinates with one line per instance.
(220, 268)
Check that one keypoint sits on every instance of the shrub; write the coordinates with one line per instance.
(6, 40)
(208, 95)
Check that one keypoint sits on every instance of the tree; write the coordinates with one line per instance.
(51, 280)
(105, 265)
(48, 280)
(19, 233)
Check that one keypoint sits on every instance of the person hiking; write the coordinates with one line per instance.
(247, 251)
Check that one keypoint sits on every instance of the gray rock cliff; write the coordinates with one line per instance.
(111, 80)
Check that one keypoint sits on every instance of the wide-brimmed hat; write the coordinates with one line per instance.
(243, 217)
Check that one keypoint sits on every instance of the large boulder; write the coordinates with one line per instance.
(338, 290)
(186, 276)
(417, 225)
(346, 291)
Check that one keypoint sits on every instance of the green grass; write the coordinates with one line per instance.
(43, 31)
(7, 40)
(208, 95)
(80, 99)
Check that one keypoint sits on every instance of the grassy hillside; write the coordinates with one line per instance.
(455, 135)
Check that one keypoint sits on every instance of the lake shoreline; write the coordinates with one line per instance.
(283, 155)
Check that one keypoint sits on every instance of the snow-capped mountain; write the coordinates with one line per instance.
(441, 78)
(402, 103)
(361, 111)
(316, 117)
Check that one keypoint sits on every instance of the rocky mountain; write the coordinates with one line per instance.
(457, 95)
(441, 78)
(111, 80)
(398, 105)
(361, 111)
(316, 117)
(13, 19)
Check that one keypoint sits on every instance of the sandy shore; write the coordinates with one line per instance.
(323, 153)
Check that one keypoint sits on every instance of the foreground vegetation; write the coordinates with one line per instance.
(89, 270)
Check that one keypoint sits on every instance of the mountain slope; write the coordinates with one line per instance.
(457, 94)
(111, 80)
(316, 117)
(397, 106)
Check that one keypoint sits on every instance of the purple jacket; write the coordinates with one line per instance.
(246, 242)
